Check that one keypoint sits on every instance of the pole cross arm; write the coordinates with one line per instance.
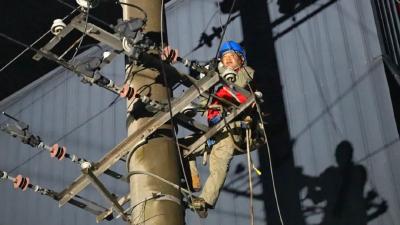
(88, 206)
(137, 136)
(87, 76)
(191, 124)
(78, 22)
(23, 183)
(103, 191)
(97, 33)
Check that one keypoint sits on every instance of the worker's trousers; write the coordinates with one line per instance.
(220, 158)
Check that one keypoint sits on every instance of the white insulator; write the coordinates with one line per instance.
(229, 75)
(74, 158)
(36, 189)
(126, 46)
(87, 3)
(58, 26)
(86, 165)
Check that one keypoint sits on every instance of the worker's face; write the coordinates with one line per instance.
(232, 60)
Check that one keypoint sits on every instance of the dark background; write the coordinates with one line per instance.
(26, 21)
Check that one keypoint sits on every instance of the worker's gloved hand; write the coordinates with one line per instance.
(169, 54)
(248, 119)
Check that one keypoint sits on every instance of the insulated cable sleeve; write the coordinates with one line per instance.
(193, 65)
(135, 172)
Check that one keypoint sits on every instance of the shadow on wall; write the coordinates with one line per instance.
(336, 196)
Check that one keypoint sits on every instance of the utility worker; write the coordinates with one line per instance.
(232, 67)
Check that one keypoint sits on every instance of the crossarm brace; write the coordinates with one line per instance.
(140, 134)
(103, 191)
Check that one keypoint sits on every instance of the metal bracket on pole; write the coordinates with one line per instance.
(78, 22)
(88, 206)
(53, 42)
(23, 183)
(97, 33)
(191, 124)
(103, 191)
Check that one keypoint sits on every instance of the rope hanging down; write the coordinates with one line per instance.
(269, 154)
(249, 167)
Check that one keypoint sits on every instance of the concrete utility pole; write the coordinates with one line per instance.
(159, 155)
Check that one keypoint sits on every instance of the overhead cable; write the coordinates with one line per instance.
(33, 43)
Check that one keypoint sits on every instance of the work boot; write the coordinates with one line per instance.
(199, 205)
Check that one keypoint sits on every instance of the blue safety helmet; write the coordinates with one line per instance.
(232, 46)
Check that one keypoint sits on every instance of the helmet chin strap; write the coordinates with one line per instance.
(236, 69)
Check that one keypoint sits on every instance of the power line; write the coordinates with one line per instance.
(33, 43)
(65, 135)
(225, 27)
(83, 35)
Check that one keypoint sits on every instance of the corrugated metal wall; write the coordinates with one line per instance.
(335, 89)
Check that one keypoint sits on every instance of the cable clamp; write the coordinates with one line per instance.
(167, 197)
(58, 26)
(74, 158)
(86, 165)
(36, 188)
(4, 175)
(155, 195)
(40, 145)
(87, 3)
